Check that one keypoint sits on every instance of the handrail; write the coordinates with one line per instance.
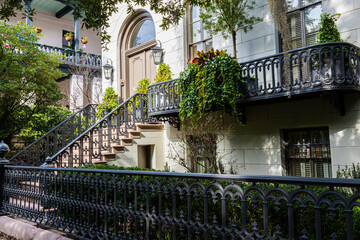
(300, 49)
(84, 109)
(330, 182)
(125, 113)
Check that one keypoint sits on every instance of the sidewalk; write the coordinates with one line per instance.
(24, 230)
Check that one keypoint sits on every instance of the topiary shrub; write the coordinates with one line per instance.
(109, 102)
(143, 85)
(163, 74)
(328, 31)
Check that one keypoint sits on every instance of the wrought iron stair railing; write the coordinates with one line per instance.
(106, 134)
(57, 138)
(321, 67)
(74, 57)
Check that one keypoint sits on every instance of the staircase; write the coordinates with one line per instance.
(82, 139)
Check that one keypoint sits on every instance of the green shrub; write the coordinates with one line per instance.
(109, 102)
(143, 85)
(45, 118)
(163, 74)
(328, 31)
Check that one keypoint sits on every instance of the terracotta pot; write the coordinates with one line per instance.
(69, 38)
(84, 41)
(38, 30)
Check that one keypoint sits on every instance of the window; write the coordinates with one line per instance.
(307, 152)
(143, 32)
(303, 18)
(201, 152)
(66, 43)
(199, 39)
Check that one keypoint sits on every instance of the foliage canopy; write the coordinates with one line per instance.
(27, 78)
(229, 16)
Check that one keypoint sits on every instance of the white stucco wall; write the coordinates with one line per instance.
(256, 147)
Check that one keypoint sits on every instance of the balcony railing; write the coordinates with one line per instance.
(164, 97)
(322, 67)
(72, 57)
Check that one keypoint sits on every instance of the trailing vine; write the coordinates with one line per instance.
(211, 82)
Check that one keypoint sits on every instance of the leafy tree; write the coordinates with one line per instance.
(229, 16)
(27, 78)
(43, 121)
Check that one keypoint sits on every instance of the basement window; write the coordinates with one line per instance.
(307, 152)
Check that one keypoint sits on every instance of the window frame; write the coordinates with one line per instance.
(189, 25)
(308, 157)
(302, 8)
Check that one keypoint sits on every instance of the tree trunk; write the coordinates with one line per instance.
(233, 34)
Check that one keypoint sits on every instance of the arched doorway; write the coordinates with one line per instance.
(137, 39)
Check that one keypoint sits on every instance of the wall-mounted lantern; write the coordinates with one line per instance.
(158, 54)
(108, 69)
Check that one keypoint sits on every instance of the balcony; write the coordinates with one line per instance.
(311, 71)
(71, 57)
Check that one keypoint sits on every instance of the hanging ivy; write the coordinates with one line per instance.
(211, 82)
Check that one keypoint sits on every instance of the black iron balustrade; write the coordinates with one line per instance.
(74, 57)
(164, 98)
(321, 67)
(105, 204)
(90, 147)
(328, 66)
(57, 138)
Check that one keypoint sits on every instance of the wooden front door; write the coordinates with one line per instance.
(141, 65)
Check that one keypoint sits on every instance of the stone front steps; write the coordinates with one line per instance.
(115, 148)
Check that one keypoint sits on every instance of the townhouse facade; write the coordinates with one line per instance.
(80, 60)
(299, 133)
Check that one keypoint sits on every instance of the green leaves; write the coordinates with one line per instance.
(109, 103)
(209, 84)
(163, 74)
(328, 31)
(27, 78)
(228, 16)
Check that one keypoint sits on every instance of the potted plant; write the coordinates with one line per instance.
(329, 33)
(84, 40)
(38, 29)
(69, 36)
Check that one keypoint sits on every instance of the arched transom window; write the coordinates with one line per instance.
(143, 32)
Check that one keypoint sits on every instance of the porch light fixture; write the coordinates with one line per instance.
(158, 54)
(108, 69)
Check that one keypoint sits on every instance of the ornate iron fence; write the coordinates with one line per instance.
(74, 57)
(105, 204)
(104, 135)
(322, 67)
(57, 138)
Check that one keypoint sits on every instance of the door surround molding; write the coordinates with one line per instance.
(124, 47)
